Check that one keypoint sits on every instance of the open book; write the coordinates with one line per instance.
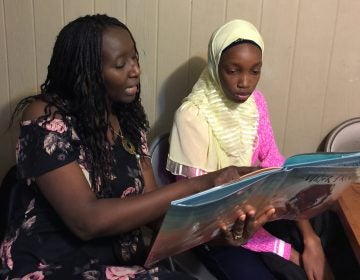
(306, 185)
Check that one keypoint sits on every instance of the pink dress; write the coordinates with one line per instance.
(266, 154)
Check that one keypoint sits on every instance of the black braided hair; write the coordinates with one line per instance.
(74, 85)
(240, 41)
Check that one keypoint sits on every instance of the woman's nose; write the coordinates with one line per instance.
(135, 70)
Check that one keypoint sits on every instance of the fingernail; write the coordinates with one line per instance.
(251, 213)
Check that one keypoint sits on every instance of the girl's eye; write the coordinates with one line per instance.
(231, 71)
(256, 71)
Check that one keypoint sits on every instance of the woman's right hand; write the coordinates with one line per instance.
(231, 173)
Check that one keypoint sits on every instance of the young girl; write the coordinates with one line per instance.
(224, 121)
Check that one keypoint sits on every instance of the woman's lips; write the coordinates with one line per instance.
(131, 90)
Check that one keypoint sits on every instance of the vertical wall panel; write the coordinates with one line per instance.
(309, 75)
(142, 21)
(278, 29)
(343, 89)
(7, 154)
(172, 59)
(46, 30)
(114, 8)
(202, 26)
(74, 9)
(19, 24)
(249, 10)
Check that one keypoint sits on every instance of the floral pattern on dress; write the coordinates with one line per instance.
(51, 144)
(37, 275)
(122, 273)
(5, 251)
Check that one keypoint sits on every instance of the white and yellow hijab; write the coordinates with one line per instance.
(234, 125)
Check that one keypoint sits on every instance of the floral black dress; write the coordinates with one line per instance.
(39, 245)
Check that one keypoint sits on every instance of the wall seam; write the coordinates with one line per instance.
(189, 45)
(328, 70)
(291, 70)
(156, 82)
(6, 58)
(35, 46)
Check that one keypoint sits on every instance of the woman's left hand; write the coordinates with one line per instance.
(245, 225)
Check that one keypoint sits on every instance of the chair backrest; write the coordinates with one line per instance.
(159, 149)
(186, 261)
(8, 190)
(345, 137)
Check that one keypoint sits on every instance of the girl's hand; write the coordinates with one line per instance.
(295, 257)
(314, 262)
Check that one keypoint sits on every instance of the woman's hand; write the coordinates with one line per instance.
(231, 173)
(245, 226)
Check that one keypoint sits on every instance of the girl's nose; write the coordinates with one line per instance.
(244, 81)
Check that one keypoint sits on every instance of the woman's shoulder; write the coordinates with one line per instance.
(37, 109)
(34, 110)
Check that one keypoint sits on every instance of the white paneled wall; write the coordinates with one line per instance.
(311, 72)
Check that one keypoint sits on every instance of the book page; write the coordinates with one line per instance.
(298, 192)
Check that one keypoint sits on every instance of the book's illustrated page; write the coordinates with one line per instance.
(295, 191)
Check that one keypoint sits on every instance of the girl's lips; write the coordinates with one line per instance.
(242, 97)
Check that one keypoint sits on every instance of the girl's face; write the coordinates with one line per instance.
(120, 66)
(239, 71)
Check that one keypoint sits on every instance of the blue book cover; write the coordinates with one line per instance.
(306, 185)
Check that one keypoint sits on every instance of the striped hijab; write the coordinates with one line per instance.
(234, 125)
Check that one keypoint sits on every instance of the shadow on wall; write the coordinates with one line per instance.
(175, 88)
(8, 137)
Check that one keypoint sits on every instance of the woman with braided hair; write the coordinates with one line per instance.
(87, 183)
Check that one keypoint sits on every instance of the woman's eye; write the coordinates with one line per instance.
(119, 66)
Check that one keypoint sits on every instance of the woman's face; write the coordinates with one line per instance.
(120, 66)
(239, 71)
